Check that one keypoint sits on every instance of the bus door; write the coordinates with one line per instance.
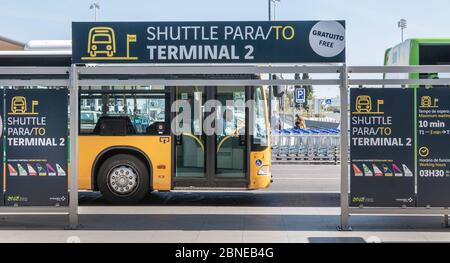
(218, 158)
(230, 142)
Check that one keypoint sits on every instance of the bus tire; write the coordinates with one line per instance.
(123, 179)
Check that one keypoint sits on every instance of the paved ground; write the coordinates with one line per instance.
(305, 178)
(302, 206)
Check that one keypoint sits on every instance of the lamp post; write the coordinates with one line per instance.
(96, 7)
(270, 74)
(402, 24)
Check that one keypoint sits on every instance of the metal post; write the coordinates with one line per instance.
(270, 102)
(73, 201)
(270, 74)
(446, 222)
(344, 150)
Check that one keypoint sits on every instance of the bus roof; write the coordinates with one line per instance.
(407, 52)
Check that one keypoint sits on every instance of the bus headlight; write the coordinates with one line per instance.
(264, 170)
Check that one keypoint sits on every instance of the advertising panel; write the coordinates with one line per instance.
(2, 177)
(36, 147)
(209, 42)
(433, 147)
(382, 147)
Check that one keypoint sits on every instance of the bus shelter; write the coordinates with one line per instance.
(107, 55)
(71, 78)
(113, 75)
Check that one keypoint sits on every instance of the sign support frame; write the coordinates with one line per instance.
(344, 82)
(346, 210)
(47, 81)
(73, 104)
(343, 92)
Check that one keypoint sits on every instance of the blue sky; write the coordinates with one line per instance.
(371, 24)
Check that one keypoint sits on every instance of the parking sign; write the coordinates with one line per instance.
(300, 95)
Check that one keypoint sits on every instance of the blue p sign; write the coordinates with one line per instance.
(300, 95)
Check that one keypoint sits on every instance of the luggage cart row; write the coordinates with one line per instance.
(306, 145)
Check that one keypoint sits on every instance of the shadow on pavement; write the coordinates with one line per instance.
(336, 240)
(236, 222)
(255, 199)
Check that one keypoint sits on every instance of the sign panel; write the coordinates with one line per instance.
(2, 175)
(36, 147)
(382, 147)
(433, 144)
(209, 42)
(300, 95)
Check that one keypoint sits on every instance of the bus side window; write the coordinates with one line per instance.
(146, 112)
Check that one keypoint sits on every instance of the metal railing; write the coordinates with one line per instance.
(306, 146)
(345, 77)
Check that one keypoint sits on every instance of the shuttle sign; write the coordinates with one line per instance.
(209, 42)
(382, 147)
(36, 147)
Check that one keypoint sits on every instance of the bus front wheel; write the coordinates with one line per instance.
(123, 179)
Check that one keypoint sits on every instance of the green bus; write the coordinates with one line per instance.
(418, 51)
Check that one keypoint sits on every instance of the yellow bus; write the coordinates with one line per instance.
(131, 149)
(126, 147)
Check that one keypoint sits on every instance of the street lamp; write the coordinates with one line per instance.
(274, 8)
(96, 7)
(270, 75)
(402, 24)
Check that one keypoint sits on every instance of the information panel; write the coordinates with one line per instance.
(209, 42)
(382, 147)
(433, 147)
(2, 176)
(36, 147)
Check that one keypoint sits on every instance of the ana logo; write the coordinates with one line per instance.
(58, 198)
(102, 45)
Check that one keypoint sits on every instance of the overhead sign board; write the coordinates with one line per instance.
(382, 147)
(209, 42)
(300, 95)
